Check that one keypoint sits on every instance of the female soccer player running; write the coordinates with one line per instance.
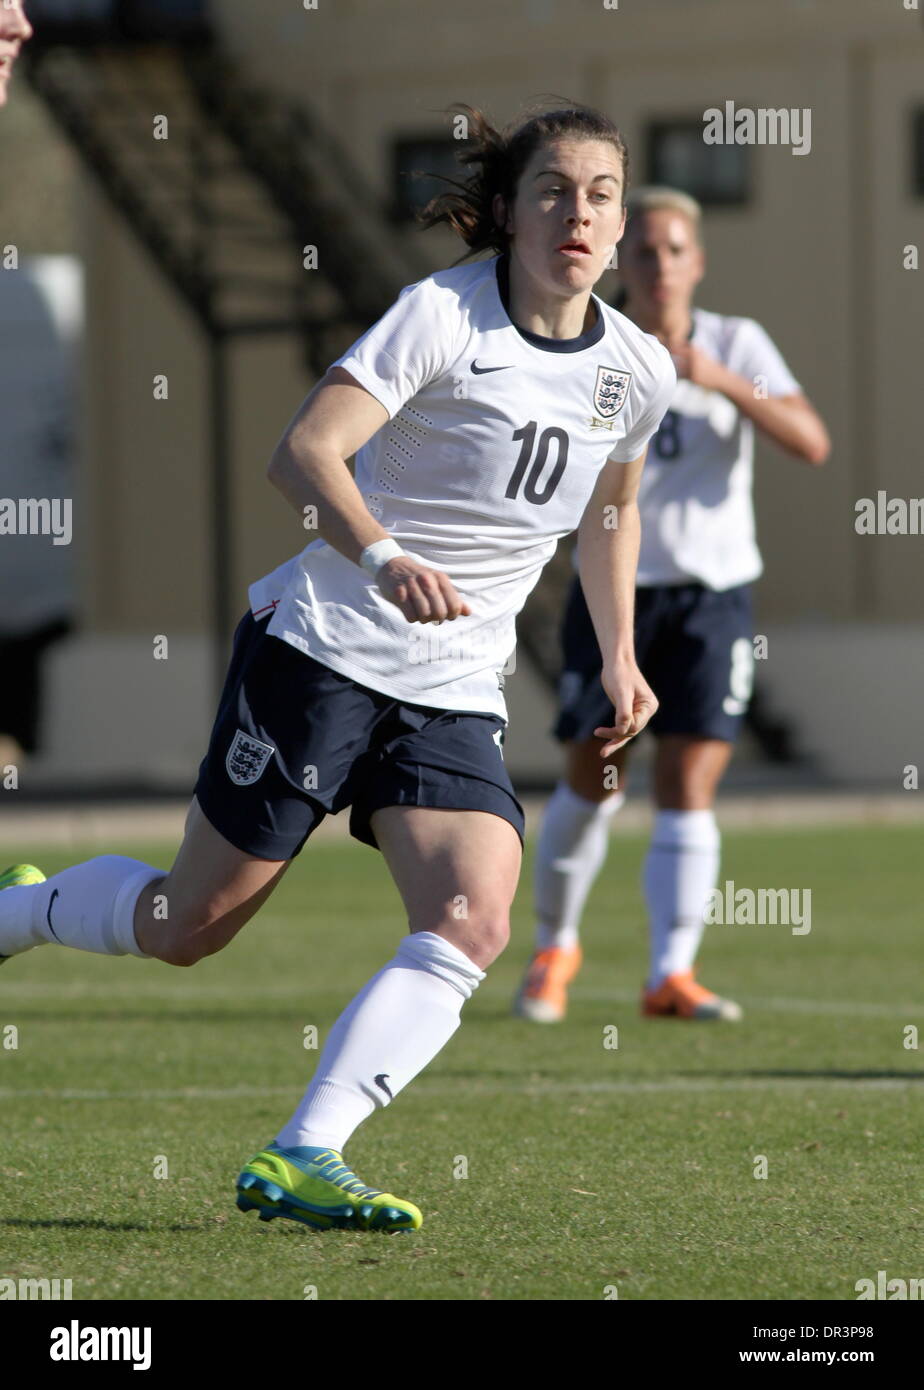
(693, 626)
(494, 408)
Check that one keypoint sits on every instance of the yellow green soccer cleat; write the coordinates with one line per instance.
(18, 877)
(316, 1187)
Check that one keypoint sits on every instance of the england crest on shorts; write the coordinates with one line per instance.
(247, 759)
(610, 391)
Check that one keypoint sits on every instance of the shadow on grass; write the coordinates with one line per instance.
(80, 1223)
(830, 1074)
(534, 1077)
(159, 1013)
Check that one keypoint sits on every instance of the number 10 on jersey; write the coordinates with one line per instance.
(539, 459)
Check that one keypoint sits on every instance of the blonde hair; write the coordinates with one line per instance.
(652, 198)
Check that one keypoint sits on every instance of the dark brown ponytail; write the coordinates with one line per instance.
(498, 158)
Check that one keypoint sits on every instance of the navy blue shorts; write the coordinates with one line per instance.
(294, 740)
(695, 648)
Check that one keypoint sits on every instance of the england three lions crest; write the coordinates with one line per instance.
(610, 392)
(247, 759)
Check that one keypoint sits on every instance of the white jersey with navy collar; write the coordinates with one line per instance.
(695, 496)
(491, 452)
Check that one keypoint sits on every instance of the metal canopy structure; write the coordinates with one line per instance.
(224, 206)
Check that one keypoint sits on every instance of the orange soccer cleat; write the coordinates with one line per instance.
(543, 996)
(679, 996)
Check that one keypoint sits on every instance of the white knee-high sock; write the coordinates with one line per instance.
(680, 872)
(90, 907)
(396, 1024)
(572, 847)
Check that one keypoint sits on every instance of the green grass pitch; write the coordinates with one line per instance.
(590, 1168)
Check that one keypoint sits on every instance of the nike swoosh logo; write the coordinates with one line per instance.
(380, 1081)
(48, 916)
(480, 371)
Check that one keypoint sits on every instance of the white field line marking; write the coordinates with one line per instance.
(677, 1084)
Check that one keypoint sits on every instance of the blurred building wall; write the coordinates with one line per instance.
(816, 257)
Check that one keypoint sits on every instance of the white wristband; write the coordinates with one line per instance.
(379, 553)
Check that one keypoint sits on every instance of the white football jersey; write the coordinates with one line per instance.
(695, 496)
(494, 442)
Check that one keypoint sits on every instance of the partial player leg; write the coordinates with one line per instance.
(211, 892)
(680, 871)
(113, 905)
(572, 848)
(18, 876)
(457, 873)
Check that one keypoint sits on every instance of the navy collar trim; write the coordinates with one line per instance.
(587, 339)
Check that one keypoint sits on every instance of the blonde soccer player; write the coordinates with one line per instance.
(693, 624)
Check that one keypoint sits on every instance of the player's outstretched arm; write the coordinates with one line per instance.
(309, 467)
(608, 544)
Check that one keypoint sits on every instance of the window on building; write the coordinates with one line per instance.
(429, 154)
(715, 175)
(61, 19)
